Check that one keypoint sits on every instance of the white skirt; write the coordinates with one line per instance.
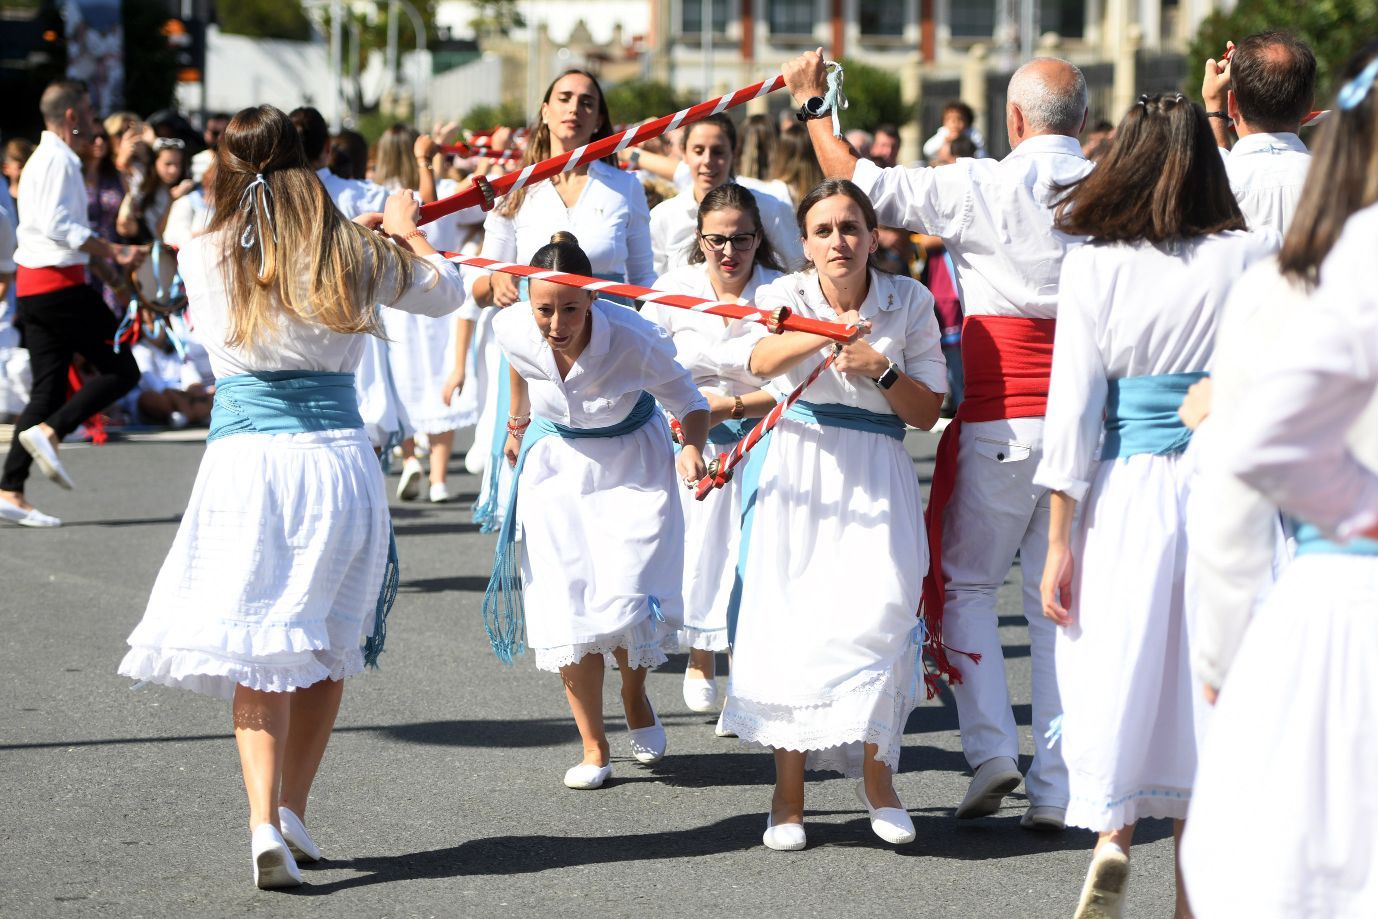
(422, 352)
(602, 548)
(381, 410)
(273, 578)
(481, 386)
(1284, 820)
(827, 638)
(1130, 721)
(712, 538)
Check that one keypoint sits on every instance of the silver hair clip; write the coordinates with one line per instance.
(1143, 101)
(253, 234)
(1357, 89)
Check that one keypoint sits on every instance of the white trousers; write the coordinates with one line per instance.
(996, 511)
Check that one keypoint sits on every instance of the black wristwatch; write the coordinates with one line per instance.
(811, 109)
(888, 378)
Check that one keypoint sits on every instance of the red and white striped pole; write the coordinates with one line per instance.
(720, 469)
(485, 193)
(779, 320)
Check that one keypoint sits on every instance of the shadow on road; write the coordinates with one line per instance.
(939, 836)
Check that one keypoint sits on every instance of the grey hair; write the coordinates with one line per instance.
(58, 98)
(1047, 106)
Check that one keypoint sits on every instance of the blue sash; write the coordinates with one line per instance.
(1310, 541)
(730, 431)
(1141, 415)
(504, 614)
(301, 402)
(832, 415)
(828, 414)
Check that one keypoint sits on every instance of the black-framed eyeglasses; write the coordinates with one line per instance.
(740, 242)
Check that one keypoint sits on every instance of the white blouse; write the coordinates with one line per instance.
(1307, 433)
(626, 354)
(675, 221)
(903, 328)
(1129, 310)
(994, 216)
(716, 352)
(297, 345)
(1232, 529)
(1267, 172)
(610, 219)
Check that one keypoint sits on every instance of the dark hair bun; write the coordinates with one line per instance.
(564, 236)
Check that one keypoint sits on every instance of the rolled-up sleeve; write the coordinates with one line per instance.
(923, 346)
(435, 290)
(920, 198)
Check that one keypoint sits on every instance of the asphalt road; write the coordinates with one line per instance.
(441, 794)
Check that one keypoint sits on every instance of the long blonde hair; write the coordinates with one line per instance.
(538, 147)
(286, 247)
(397, 158)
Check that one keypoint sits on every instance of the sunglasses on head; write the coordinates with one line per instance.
(169, 143)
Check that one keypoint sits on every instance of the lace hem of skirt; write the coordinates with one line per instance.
(832, 735)
(212, 675)
(692, 639)
(1101, 815)
(640, 653)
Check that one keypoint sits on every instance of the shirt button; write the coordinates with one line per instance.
(1000, 457)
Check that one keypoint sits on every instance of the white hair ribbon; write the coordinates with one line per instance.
(253, 233)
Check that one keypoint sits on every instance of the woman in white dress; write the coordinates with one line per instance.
(825, 651)
(708, 148)
(604, 207)
(599, 568)
(277, 572)
(1136, 327)
(420, 348)
(731, 262)
(1304, 433)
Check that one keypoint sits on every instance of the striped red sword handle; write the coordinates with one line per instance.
(720, 469)
(566, 162)
(780, 320)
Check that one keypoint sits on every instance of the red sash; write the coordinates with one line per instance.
(1006, 361)
(30, 282)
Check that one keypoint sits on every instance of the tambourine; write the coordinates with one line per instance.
(157, 285)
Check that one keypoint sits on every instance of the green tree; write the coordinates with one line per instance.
(636, 100)
(150, 64)
(496, 17)
(483, 117)
(263, 19)
(873, 96)
(1335, 30)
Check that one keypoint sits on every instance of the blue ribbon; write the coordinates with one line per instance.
(1141, 415)
(301, 402)
(1311, 541)
(832, 415)
(504, 613)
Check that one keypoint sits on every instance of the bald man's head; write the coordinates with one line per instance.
(1051, 95)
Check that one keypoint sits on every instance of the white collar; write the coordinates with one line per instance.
(1265, 142)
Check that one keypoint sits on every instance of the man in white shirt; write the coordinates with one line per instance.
(1266, 89)
(995, 219)
(351, 196)
(58, 314)
(708, 155)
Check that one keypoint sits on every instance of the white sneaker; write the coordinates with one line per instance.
(298, 840)
(787, 837)
(892, 824)
(720, 731)
(36, 443)
(32, 517)
(586, 776)
(994, 779)
(648, 743)
(409, 486)
(699, 694)
(1102, 896)
(439, 493)
(274, 865)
